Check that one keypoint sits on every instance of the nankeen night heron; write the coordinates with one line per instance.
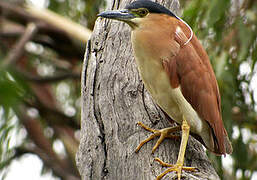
(177, 72)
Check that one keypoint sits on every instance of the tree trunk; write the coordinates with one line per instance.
(113, 101)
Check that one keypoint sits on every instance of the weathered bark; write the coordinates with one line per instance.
(113, 100)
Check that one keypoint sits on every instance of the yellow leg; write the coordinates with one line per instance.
(180, 161)
(163, 133)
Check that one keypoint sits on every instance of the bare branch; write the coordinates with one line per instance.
(50, 163)
(73, 29)
(35, 131)
(18, 50)
(49, 79)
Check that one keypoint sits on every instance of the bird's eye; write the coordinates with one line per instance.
(142, 12)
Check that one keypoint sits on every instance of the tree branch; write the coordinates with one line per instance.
(61, 31)
(48, 162)
(73, 29)
(49, 79)
(18, 50)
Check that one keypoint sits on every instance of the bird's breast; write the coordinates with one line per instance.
(156, 80)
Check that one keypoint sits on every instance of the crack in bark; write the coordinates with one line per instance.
(91, 171)
(118, 6)
(144, 104)
(154, 120)
(106, 30)
(97, 116)
(87, 54)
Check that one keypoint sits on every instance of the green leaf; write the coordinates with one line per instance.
(246, 38)
(217, 10)
(10, 91)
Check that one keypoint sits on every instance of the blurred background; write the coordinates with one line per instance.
(42, 45)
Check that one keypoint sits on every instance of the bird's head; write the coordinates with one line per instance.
(136, 12)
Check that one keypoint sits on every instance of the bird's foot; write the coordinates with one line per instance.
(178, 167)
(163, 133)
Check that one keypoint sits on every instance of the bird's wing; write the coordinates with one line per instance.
(192, 71)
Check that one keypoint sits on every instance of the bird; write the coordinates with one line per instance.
(176, 71)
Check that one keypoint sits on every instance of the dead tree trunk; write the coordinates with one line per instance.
(113, 101)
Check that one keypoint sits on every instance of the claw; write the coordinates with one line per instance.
(163, 133)
(177, 167)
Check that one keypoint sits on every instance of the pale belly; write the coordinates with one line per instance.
(169, 99)
(160, 90)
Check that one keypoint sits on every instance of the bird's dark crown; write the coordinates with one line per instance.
(151, 6)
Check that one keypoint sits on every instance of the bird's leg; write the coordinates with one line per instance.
(163, 133)
(178, 167)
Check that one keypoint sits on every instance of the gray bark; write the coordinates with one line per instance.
(113, 101)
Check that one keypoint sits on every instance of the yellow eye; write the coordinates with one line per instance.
(142, 12)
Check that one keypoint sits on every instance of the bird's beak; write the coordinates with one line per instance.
(121, 15)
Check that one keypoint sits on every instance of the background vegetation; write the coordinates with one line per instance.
(40, 64)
